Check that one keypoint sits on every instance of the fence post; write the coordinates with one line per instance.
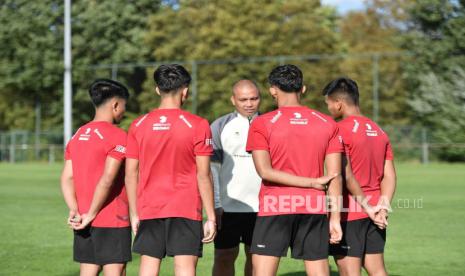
(194, 86)
(376, 88)
(114, 71)
(424, 147)
(51, 154)
(12, 146)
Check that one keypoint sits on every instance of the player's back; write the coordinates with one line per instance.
(166, 142)
(367, 147)
(88, 151)
(298, 140)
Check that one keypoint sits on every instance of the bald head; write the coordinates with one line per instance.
(246, 97)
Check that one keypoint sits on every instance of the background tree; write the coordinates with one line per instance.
(195, 30)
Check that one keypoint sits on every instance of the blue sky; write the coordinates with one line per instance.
(344, 6)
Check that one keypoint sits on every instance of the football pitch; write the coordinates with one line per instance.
(426, 233)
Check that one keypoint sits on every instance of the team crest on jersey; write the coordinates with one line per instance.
(370, 131)
(162, 124)
(298, 120)
(85, 136)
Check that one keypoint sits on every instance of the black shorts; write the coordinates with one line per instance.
(235, 228)
(306, 234)
(102, 245)
(169, 237)
(360, 237)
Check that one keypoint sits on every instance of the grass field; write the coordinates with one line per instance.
(427, 238)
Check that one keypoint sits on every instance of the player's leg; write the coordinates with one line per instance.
(184, 243)
(224, 261)
(184, 265)
(84, 252)
(89, 269)
(349, 252)
(310, 242)
(246, 237)
(265, 265)
(374, 264)
(150, 243)
(271, 240)
(248, 261)
(149, 266)
(112, 248)
(348, 266)
(227, 243)
(374, 251)
(114, 269)
(317, 268)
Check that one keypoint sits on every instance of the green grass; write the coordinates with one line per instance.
(34, 239)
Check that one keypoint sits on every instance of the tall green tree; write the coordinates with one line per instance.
(31, 69)
(436, 38)
(204, 30)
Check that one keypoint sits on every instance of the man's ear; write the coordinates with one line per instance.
(157, 90)
(185, 93)
(273, 92)
(233, 101)
(114, 104)
(304, 89)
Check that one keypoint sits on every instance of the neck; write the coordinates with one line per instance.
(351, 111)
(171, 101)
(103, 116)
(288, 99)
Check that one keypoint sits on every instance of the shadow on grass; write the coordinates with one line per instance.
(302, 273)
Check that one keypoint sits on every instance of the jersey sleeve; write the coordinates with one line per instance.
(389, 152)
(257, 138)
(132, 145)
(203, 139)
(335, 143)
(118, 147)
(346, 139)
(216, 139)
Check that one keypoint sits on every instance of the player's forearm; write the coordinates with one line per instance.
(283, 178)
(101, 193)
(206, 194)
(69, 195)
(388, 188)
(357, 193)
(131, 191)
(334, 195)
(388, 184)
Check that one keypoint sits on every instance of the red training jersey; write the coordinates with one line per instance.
(367, 147)
(166, 142)
(88, 150)
(298, 139)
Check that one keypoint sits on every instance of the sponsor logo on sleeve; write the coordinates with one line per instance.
(120, 148)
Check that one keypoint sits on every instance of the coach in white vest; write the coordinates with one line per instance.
(236, 182)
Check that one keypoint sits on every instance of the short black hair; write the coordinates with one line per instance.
(171, 77)
(343, 88)
(101, 90)
(287, 78)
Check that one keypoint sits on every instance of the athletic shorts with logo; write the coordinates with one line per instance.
(360, 237)
(306, 234)
(169, 237)
(102, 245)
